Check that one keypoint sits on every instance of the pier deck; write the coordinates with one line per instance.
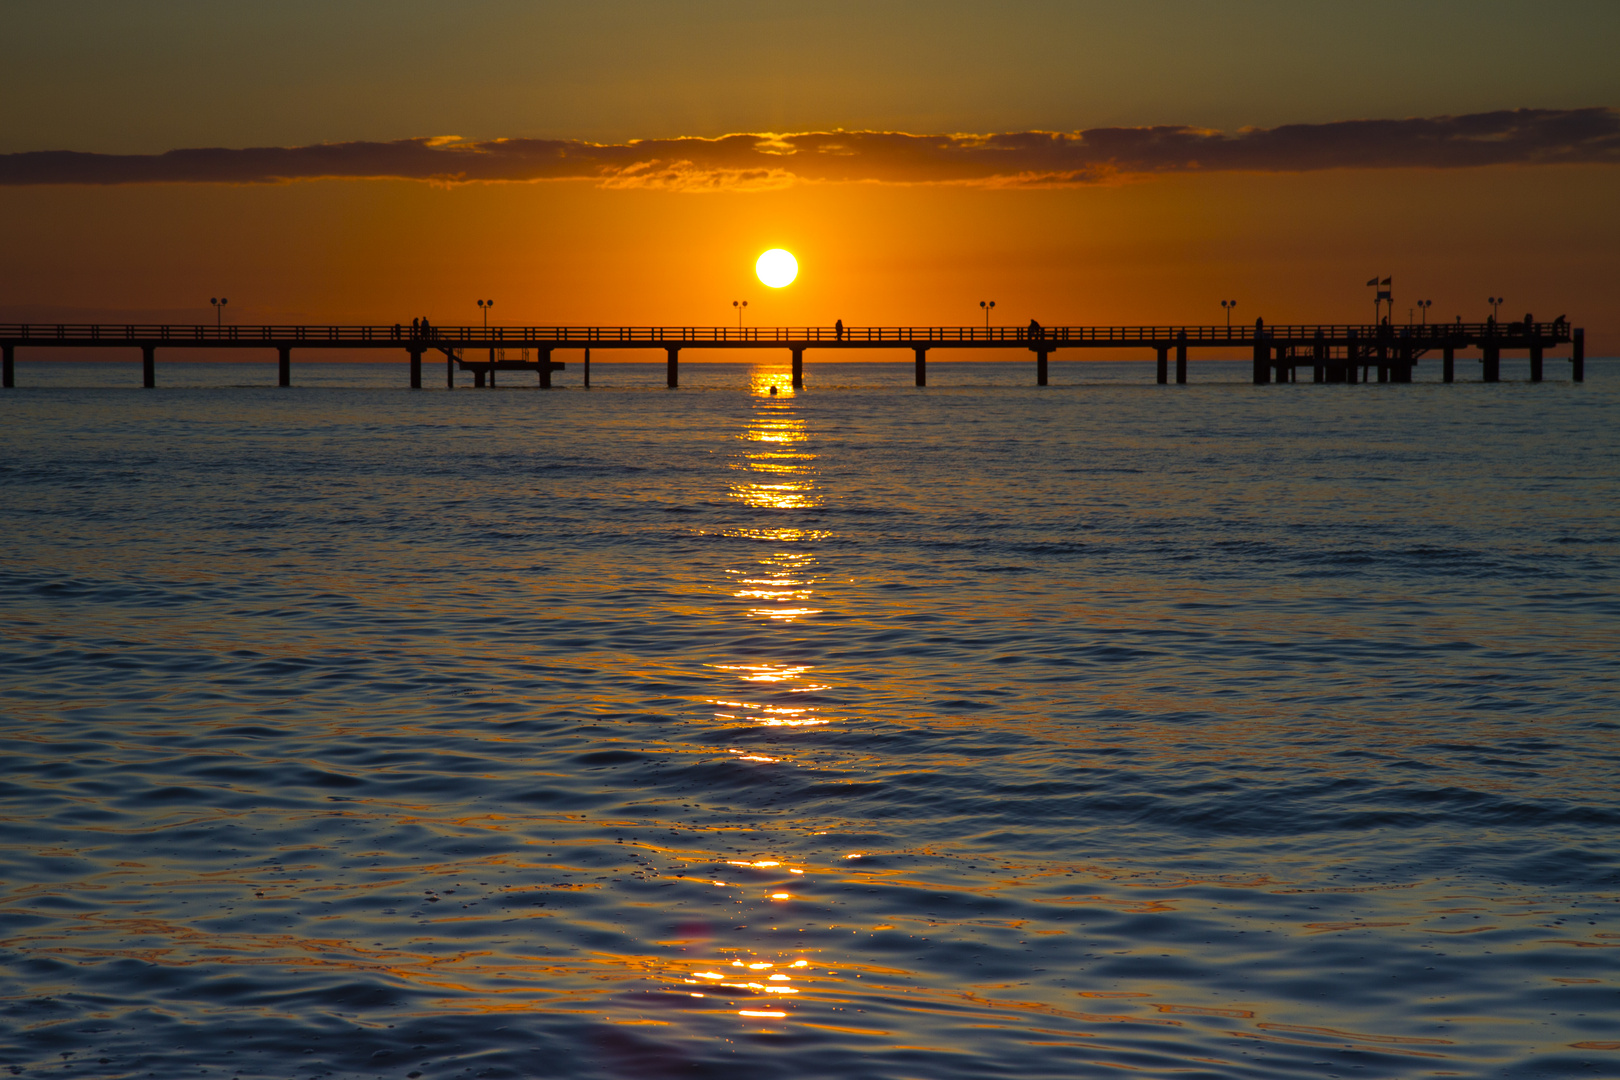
(1332, 352)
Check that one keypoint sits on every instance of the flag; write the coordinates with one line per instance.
(1374, 281)
(1386, 281)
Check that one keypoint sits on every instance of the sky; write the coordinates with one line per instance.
(625, 162)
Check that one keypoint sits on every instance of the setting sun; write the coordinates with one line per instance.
(777, 268)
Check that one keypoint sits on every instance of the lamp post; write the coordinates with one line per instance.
(1228, 305)
(484, 306)
(987, 305)
(1424, 306)
(219, 303)
(1496, 302)
(739, 305)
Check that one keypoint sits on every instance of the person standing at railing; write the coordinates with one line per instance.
(1035, 331)
(839, 328)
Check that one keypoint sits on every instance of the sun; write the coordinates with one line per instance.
(777, 268)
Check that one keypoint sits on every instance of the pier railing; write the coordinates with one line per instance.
(1025, 336)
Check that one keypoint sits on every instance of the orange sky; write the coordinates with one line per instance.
(1286, 246)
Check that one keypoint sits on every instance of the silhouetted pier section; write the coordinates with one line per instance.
(1332, 353)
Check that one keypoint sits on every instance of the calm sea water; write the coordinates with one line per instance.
(868, 732)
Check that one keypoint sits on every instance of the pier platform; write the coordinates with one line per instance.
(1332, 353)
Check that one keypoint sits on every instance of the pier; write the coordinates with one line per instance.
(1335, 353)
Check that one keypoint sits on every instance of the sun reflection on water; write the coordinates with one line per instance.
(781, 466)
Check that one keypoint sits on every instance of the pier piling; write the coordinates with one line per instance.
(148, 366)
(1262, 354)
(922, 366)
(1492, 363)
(1040, 367)
(1577, 358)
(672, 368)
(798, 369)
(1535, 363)
(8, 366)
(1448, 364)
(1164, 364)
(416, 369)
(587, 369)
(284, 365)
(1181, 358)
(544, 370)
(449, 370)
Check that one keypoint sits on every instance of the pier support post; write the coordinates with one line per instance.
(1319, 355)
(544, 356)
(449, 372)
(1348, 372)
(1181, 358)
(1448, 364)
(587, 369)
(1164, 364)
(1262, 354)
(284, 365)
(1535, 361)
(1492, 361)
(1040, 367)
(922, 366)
(148, 366)
(672, 368)
(8, 366)
(416, 369)
(798, 368)
(1577, 357)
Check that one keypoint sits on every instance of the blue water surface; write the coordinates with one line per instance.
(867, 731)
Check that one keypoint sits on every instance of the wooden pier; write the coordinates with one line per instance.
(1332, 353)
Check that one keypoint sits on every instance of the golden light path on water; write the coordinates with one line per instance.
(778, 474)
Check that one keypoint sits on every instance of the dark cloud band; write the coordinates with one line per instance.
(731, 162)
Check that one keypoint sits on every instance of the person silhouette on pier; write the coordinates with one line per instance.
(839, 327)
(416, 329)
(1035, 331)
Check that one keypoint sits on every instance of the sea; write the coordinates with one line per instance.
(863, 731)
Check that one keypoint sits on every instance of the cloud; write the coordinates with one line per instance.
(761, 161)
